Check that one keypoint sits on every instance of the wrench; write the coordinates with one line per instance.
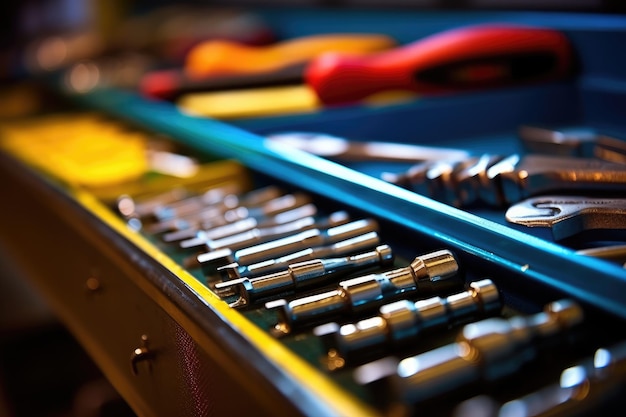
(569, 215)
(582, 144)
(615, 253)
(520, 177)
(334, 147)
(498, 180)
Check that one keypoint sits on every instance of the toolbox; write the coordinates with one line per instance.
(175, 340)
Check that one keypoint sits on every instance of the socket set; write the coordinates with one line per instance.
(408, 307)
(398, 318)
(423, 335)
(456, 254)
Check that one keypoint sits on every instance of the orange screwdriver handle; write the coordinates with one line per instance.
(224, 57)
(467, 58)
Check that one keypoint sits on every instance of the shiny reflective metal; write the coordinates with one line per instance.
(214, 203)
(580, 390)
(615, 253)
(197, 237)
(210, 261)
(487, 350)
(334, 147)
(353, 245)
(130, 207)
(227, 196)
(263, 234)
(440, 180)
(403, 321)
(427, 274)
(303, 275)
(498, 180)
(523, 177)
(581, 144)
(569, 215)
(230, 209)
(141, 354)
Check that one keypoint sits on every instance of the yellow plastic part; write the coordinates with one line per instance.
(224, 57)
(271, 101)
(257, 102)
(81, 149)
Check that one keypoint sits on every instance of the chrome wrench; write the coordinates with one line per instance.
(499, 181)
(334, 147)
(582, 144)
(569, 215)
(519, 177)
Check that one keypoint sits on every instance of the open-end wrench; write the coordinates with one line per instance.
(583, 144)
(334, 147)
(499, 181)
(614, 253)
(520, 177)
(569, 215)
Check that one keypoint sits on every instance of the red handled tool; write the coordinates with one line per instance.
(219, 65)
(171, 84)
(468, 58)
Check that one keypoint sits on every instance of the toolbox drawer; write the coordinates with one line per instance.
(112, 295)
(112, 286)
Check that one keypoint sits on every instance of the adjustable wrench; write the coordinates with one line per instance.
(569, 215)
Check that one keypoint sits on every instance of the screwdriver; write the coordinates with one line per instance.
(174, 83)
(487, 350)
(426, 274)
(221, 65)
(467, 58)
(224, 57)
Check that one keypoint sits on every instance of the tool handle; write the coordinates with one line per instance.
(223, 57)
(466, 58)
(172, 84)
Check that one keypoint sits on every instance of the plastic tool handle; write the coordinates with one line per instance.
(223, 57)
(460, 59)
(171, 84)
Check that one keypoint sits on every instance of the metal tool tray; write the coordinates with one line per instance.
(230, 356)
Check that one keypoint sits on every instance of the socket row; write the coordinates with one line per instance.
(332, 278)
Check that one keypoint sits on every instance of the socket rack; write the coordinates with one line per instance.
(538, 343)
(540, 325)
(356, 324)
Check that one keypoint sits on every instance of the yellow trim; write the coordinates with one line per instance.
(309, 377)
(209, 175)
(93, 191)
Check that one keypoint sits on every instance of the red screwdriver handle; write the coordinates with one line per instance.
(467, 58)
